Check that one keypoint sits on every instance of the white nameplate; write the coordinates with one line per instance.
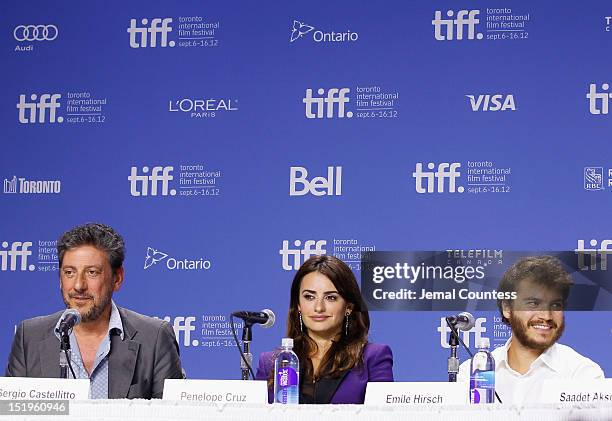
(216, 391)
(22, 388)
(416, 393)
(577, 391)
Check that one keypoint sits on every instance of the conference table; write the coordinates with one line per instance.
(152, 410)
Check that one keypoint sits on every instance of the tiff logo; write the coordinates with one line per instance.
(183, 326)
(29, 112)
(147, 36)
(595, 254)
(476, 331)
(139, 184)
(445, 171)
(325, 105)
(307, 251)
(319, 186)
(18, 253)
(449, 29)
(598, 101)
(492, 102)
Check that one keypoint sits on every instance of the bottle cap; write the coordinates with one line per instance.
(483, 343)
(287, 343)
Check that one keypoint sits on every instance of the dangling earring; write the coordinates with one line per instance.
(301, 323)
(346, 323)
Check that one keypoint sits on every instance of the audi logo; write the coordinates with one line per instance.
(35, 32)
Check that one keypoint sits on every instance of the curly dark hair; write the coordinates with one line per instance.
(545, 270)
(100, 236)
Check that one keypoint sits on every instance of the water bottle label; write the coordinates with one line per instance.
(482, 386)
(287, 377)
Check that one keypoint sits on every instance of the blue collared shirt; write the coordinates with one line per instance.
(98, 380)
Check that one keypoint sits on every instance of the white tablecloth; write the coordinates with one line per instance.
(165, 410)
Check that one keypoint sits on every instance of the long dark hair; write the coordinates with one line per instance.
(347, 351)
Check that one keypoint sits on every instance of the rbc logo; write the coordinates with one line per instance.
(476, 331)
(598, 101)
(183, 326)
(139, 184)
(18, 253)
(319, 186)
(334, 96)
(455, 27)
(594, 178)
(147, 36)
(30, 112)
(492, 102)
(444, 171)
(307, 251)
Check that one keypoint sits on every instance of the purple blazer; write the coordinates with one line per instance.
(378, 367)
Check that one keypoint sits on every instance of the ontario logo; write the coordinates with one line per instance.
(154, 256)
(300, 29)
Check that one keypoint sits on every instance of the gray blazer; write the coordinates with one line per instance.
(137, 365)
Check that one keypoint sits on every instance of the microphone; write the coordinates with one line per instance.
(265, 317)
(70, 318)
(462, 321)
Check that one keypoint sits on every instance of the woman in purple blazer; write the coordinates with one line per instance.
(329, 323)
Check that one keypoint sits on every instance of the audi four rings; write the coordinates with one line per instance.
(35, 32)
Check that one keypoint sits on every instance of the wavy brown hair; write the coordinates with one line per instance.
(346, 352)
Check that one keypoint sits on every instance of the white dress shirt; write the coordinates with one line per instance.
(557, 362)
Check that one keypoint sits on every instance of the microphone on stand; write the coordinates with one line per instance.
(265, 318)
(462, 321)
(70, 318)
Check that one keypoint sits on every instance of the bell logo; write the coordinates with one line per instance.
(476, 332)
(319, 186)
(306, 252)
(139, 184)
(492, 102)
(16, 258)
(36, 112)
(445, 171)
(598, 101)
(325, 105)
(183, 327)
(147, 36)
(454, 28)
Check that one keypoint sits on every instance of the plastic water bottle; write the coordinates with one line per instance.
(287, 375)
(482, 374)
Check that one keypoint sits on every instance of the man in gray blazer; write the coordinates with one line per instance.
(124, 354)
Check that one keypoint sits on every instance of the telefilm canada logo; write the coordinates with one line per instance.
(31, 36)
(22, 185)
(302, 30)
(154, 256)
(191, 31)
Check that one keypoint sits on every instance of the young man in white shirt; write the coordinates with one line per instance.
(532, 355)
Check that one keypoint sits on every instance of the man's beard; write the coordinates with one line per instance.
(96, 309)
(519, 331)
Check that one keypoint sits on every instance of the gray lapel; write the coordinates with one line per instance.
(122, 361)
(49, 351)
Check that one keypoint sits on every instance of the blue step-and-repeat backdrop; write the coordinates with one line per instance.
(229, 141)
